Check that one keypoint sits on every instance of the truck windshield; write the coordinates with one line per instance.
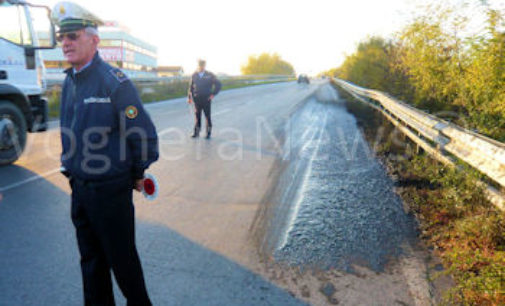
(14, 24)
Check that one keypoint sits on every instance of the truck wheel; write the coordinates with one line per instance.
(12, 132)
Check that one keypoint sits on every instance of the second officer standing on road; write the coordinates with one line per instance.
(203, 86)
(108, 141)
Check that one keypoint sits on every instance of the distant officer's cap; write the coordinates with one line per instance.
(71, 17)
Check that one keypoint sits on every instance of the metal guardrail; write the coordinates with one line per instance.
(57, 79)
(439, 137)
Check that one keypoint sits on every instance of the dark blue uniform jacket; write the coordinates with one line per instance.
(203, 87)
(105, 131)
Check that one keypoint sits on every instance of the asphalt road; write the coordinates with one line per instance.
(200, 241)
(194, 240)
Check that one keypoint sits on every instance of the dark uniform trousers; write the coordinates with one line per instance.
(202, 103)
(103, 215)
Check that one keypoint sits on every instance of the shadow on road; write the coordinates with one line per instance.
(40, 263)
(13, 173)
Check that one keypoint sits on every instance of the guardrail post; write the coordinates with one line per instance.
(419, 149)
(441, 140)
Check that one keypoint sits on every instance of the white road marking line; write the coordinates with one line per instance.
(30, 179)
(221, 112)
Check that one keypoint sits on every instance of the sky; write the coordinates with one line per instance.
(312, 35)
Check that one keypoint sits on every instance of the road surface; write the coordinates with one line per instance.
(198, 241)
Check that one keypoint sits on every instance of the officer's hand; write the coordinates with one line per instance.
(190, 101)
(211, 97)
(138, 185)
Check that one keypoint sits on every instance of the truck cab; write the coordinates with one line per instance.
(22, 74)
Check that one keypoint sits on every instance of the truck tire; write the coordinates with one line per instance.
(12, 132)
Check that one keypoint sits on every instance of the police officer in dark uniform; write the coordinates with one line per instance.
(108, 141)
(203, 86)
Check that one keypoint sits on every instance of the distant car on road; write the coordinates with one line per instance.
(303, 78)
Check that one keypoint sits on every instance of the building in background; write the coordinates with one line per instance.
(170, 71)
(118, 47)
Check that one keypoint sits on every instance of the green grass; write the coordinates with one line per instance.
(150, 92)
(465, 230)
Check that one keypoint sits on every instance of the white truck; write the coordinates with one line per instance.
(22, 106)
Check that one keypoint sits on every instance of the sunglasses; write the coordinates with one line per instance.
(71, 36)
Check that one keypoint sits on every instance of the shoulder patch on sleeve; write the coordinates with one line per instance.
(131, 112)
(119, 75)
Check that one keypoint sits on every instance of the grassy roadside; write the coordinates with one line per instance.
(155, 92)
(455, 220)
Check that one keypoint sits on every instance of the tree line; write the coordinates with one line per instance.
(439, 63)
(267, 63)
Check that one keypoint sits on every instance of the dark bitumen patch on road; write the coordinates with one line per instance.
(333, 204)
